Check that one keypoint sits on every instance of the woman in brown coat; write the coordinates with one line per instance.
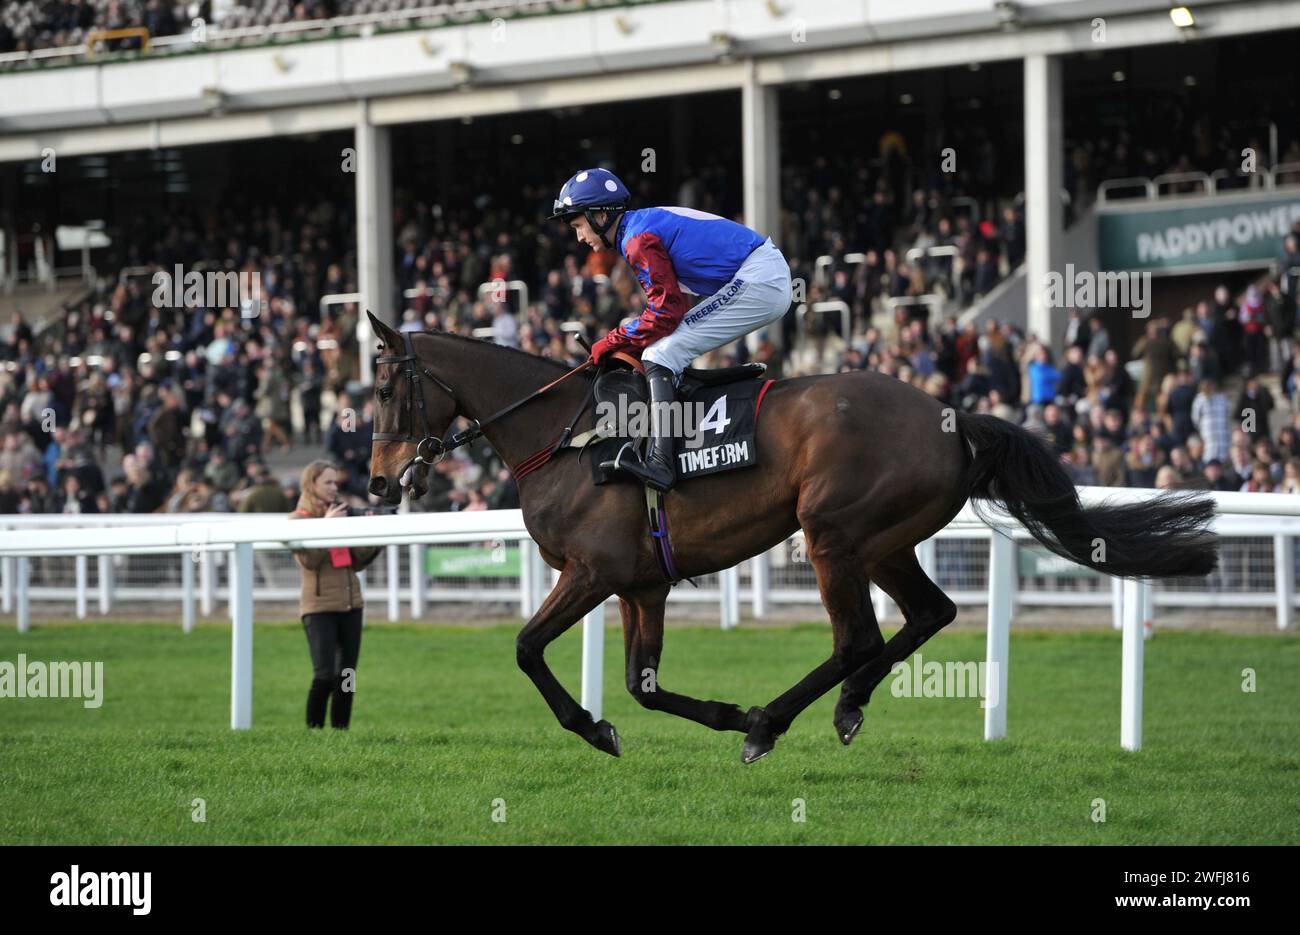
(330, 603)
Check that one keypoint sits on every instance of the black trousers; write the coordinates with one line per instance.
(335, 643)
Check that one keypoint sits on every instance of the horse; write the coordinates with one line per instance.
(865, 464)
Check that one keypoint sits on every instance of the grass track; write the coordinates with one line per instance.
(444, 724)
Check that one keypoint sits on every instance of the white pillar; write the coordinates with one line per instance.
(374, 232)
(760, 154)
(105, 583)
(1044, 179)
(1284, 578)
(241, 637)
(593, 660)
(394, 583)
(82, 572)
(1130, 703)
(760, 584)
(1002, 555)
(187, 592)
(415, 554)
(22, 571)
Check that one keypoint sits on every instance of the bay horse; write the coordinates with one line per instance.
(865, 464)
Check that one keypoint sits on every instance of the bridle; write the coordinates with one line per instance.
(429, 448)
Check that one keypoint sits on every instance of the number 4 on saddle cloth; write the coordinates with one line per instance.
(712, 422)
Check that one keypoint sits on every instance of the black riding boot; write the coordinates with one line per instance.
(657, 468)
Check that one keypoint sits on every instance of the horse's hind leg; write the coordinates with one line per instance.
(845, 590)
(927, 610)
(643, 643)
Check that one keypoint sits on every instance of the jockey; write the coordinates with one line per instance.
(675, 251)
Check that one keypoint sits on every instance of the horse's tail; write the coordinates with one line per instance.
(1163, 537)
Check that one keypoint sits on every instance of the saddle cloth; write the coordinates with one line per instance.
(713, 422)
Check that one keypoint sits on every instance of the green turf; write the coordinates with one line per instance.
(445, 724)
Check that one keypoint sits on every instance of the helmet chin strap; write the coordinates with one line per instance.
(611, 221)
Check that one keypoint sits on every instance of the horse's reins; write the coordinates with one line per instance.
(431, 449)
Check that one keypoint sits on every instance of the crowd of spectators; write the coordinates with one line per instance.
(197, 398)
(1192, 409)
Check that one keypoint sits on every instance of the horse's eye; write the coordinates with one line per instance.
(385, 395)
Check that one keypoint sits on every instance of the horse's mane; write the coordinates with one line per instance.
(559, 365)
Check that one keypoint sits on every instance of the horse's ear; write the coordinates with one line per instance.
(391, 340)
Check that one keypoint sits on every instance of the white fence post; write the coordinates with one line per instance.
(1117, 603)
(22, 571)
(1130, 704)
(760, 584)
(1283, 577)
(83, 577)
(527, 574)
(187, 592)
(879, 603)
(105, 583)
(207, 584)
(394, 583)
(729, 583)
(241, 636)
(7, 584)
(415, 554)
(928, 558)
(593, 660)
(1001, 558)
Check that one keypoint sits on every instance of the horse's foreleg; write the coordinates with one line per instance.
(574, 594)
(846, 593)
(643, 643)
(927, 611)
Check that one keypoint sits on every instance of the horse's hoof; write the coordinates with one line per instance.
(847, 726)
(760, 739)
(607, 739)
(756, 750)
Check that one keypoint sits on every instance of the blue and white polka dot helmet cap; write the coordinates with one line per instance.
(590, 190)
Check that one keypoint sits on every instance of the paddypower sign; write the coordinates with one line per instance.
(1227, 229)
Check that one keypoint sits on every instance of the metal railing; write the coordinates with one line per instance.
(831, 306)
(823, 262)
(108, 35)
(1209, 183)
(933, 303)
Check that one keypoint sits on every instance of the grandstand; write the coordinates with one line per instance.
(403, 159)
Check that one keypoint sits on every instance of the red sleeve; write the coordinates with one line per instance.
(666, 303)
